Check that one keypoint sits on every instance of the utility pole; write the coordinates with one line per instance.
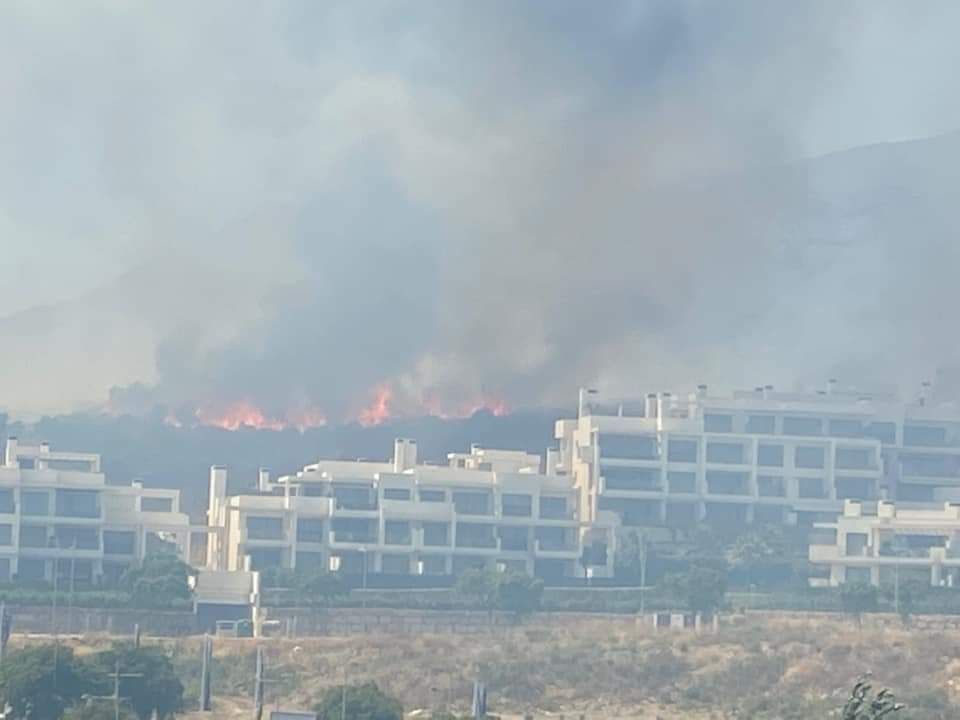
(6, 624)
(207, 660)
(258, 687)
(643, 573)
(53, 618)
(115, 696)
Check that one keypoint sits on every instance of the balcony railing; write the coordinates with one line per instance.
(472, 542)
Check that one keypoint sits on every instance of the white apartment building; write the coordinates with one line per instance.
(58, 513)
(881, 543)
(759, 456)
(488, 508)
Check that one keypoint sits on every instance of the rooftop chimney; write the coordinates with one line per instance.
(404, 455)
(263, 480)
(650, 406)
(701, 390)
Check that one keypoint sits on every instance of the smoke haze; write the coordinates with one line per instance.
(314, 211)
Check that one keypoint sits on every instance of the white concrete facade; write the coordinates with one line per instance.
(882, 543)
(57, 511)
(759, 456)
(487, 507)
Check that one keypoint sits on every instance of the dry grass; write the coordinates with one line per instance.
(607, 668)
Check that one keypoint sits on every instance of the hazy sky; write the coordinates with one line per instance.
(293, 203)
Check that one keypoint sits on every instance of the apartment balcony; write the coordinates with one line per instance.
(484, 545)
(558, 550)
(824, 553)
(352, 541)
(413, 510)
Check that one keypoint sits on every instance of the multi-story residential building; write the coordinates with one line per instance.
(881, 542)
(755, 456)
(486, 508)
(57, 513)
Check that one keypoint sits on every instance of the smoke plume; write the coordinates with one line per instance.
(298, 213)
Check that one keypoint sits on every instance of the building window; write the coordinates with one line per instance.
(395, 564)
(553, 508)
(156, 504)
(856, 544)
(436, 534)
(885, 432)
(78, 503)
(474, 535)
(629, 447)
(7, 505)
(770, 486)
(35, 503)
(621, 478)
(33, 536)
(79, 538)
(924, 436)
(514, 538)
(264, 528)
(311, 562)
(728, 453)
(354, 530)
(553, 538)
(310, 530)
(854, 458)
(770, 455)
(433, 496)
(31, 570)
(397, 532)
(845, 428)
(355, 498)
(768, 514)
(682, 482)
(802, 426)
(720, 482)
(853, 488)
(761, 424)
(434, 564)
(472, 503)
(682, 451)
(119, 542)
(517, 505)
(810, 488)
(263, 558)
(808, 457)
(396, 494)
(717, 423)
(6, 534)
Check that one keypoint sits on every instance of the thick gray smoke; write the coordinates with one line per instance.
(466, 203)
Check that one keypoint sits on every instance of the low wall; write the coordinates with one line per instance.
(350, 621)
(112, 621)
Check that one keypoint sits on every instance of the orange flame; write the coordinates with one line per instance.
(378, 411)
(239, 414)
(244, 414)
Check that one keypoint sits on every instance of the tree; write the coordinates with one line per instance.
(700, 589)
(858, 598)
(633, 552)
(480, 584)
(518, 593)
(510, 591)
(160, 581)
(364, 701)
(43, 681)
(322, 584)
(761, 555)
(863, 705)
(158, 688)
